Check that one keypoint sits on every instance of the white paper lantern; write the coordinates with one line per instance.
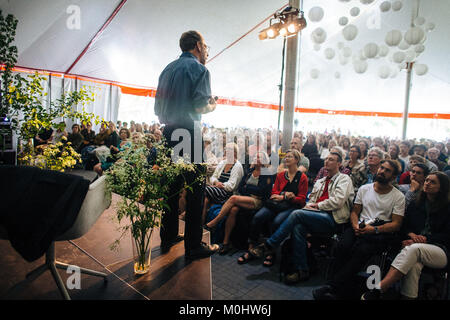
(394, 72)
(393, 38)
(314, 73)
(319, 35)
(315, 14)
(410, 55)
(344, 0)
(383, 51)
(367, 1)
(398, 57)
(360, 66)
(403, 45)
(317, 47)
(430, 26)
(419, 49)
(385, 6)
(414, 35)
(350, 32)
(384, 72)
(354, 11)
(371, 50)
(343, 60)
(421, 69)
(347, 52)
(419, 21)
(337, 75)
(329, 53)
(343, 21)
(397, 5)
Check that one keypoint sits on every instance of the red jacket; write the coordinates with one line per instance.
(280, 183)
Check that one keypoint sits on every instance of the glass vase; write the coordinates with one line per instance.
(142, 249)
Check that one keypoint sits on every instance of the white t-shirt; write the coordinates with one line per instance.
(381, 206)
(406, 161)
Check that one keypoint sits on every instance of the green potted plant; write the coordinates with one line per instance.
(141, 177)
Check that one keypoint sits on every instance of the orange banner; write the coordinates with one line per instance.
(151, 92)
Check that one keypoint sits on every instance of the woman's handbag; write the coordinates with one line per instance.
(277, 206)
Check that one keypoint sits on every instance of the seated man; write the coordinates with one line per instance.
(76, 138)
(377, 213)
(418, 174)
(329, 206)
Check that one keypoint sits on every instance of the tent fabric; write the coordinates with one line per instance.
(143, 38)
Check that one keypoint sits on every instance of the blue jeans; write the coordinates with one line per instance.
(300, 223)
(261, 217)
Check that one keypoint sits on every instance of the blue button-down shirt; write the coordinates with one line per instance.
(183, 85)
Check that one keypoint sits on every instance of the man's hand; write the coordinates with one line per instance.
(277, 197)
(210, 107)
(414, 186)
(312, 206)
(368, 229)
(417, 238)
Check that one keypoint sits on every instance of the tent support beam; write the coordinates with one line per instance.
(97, 35)
(290, 84)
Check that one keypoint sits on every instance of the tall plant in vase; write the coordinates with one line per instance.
(141, 177)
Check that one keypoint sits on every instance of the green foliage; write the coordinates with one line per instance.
(144, 188)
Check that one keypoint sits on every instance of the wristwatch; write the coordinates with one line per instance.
(376, 230)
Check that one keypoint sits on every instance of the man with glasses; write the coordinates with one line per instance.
(368, 174)
(182, 96)
(417, 175)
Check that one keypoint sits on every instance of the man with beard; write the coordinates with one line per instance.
(376, 215)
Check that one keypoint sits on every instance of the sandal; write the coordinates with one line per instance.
(225, 248)
(246, 257)
(269, 260)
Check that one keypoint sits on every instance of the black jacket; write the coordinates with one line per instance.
(415, 218)
(263, 188)
(37, 206)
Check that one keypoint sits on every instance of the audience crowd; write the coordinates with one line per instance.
(375, 192)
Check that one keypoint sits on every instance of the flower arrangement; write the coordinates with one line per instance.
(58, 157)
(142, 177)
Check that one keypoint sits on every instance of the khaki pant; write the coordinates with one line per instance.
(411, 260)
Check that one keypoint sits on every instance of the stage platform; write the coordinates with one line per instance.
(171, 277)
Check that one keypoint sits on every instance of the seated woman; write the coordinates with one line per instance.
(225, 179)
(124, 134)
(253, 190)
(290, 190)
(427, 239)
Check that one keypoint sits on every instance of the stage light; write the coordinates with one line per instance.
(289, 22)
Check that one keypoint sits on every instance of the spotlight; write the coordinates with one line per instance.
(283, 31)
(289, 22)
(273, 31)
(263, 35)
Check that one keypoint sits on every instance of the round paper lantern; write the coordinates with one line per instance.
(367, 1)
(344, 0)
(354, 11)
(319, 35)
(397, 5)
(371, 50)
(383, 51)
(360, 66)
(343, 21)
(393, 38)
(384, 72)
(329, 53)
(398, 57)
(421, 69)
(394, 72)
(414, 35)
(419, 49)
(419, 21)
(317, 47)
(430, 26)
(410, 55)
(404, 45)
(315, 14)
(347, 52)
(337, 75)
(314, 73)
(385, 6)
(343, 60)
(350, 32)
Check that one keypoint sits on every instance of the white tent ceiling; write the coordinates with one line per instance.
(143, 38)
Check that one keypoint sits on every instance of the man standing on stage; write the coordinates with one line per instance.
(183, 95)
